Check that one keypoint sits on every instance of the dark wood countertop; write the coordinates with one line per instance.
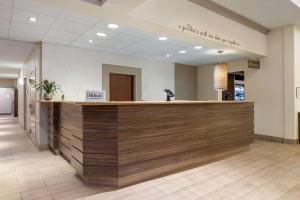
(120, 103)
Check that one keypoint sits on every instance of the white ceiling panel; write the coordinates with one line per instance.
(4, 24)
(3, 34)
(94, 30)
(119, 42)
(35, 7)
(18, 27)
(103, 25)
(23, 16)
(83, 41)
(59, 35)
(104, 49)
(8, 3)
(78, 18)
(125, 38)
(69, 26)
(138, 47)
(148, 44)
(137, 33)
(26, 37)
(5, 12)
(57, 40)
(126, 52)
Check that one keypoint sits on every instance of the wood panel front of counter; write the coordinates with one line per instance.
(120, 145)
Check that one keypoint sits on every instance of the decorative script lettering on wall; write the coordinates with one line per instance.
(191, 29)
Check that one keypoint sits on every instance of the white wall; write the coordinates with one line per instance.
(296, 75)
(32, 62)
(289, 83)
(206, 83)
(263, 86)
(77, 70)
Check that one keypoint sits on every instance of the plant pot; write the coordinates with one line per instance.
(47, 97)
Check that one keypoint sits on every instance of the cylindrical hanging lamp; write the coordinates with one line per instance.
(220, 77)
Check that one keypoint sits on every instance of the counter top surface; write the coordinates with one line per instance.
(144, 102)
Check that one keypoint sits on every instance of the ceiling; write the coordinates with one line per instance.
(56, 25)
(12, 56)
(269, 13)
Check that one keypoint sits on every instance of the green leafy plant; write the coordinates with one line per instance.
(49, 87)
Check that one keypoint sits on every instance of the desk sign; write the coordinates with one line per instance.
(95, 96)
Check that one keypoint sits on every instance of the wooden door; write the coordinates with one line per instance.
(15, 102)
(121, 87)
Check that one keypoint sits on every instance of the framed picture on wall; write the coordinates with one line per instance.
(298, 92)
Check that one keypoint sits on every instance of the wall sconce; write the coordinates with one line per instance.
(220, 77)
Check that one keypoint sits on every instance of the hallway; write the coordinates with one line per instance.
(26, 173)
(267, 171)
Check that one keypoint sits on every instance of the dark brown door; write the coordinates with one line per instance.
(15, 102)
(121, 87)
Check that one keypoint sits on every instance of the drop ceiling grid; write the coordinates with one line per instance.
(64, 27)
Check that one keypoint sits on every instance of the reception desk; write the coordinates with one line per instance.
(123, 143)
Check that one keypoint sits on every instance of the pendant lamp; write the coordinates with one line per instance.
(220, 77)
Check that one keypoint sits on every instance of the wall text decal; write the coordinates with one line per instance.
(191, 29)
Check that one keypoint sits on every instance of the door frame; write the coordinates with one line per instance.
(107, 69)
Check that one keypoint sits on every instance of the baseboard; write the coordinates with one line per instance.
(275, 139)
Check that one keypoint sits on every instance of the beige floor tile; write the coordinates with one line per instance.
(179, 195)
(266, 171)
(174, 185)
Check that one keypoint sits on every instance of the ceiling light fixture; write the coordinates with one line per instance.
(296, 2)
(32, 19)
(163, 38)
(182, 51)
(91, 41)
(198, 47)
(113, 26)
(168, 55)
(101, 34)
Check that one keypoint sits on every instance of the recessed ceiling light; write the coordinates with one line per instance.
(113, 26)
(168, 55)
(296, 2)
(163, 38)
(91, 41)
(32, 19)
(198, 47)
(182, 51)
(101, 34)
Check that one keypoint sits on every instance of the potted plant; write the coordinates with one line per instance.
(48, 87)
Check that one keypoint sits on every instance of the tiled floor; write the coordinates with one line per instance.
(267, 171)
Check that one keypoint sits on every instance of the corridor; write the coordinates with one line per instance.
(26, 173)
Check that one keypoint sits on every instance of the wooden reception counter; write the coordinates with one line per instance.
(122, 143)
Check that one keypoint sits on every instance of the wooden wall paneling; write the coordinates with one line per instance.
(100, 144)
(203, 133)
(53, 119)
